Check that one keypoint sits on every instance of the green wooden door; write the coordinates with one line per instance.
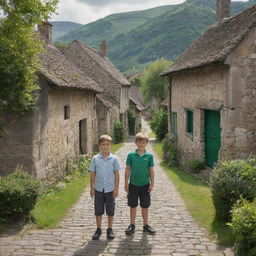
(212, 136)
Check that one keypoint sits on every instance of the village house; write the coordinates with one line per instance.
(212, 93)
(113, 104)
(46, 141)
(135, 107)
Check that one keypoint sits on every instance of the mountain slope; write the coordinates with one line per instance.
(165, 36)
(60, 28)
(137, 38)
(112, 25)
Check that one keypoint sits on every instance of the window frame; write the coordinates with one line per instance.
(174, 123)
(66, 112)
(189, 121)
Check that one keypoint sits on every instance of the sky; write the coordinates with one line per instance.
(86, 11)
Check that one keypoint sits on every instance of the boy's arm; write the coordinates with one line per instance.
(115, 192)
(127, 175)
(152, 178)
(92, 180)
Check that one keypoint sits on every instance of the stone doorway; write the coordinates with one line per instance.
(83, 136)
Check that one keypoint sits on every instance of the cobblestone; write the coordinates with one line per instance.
(177, 233)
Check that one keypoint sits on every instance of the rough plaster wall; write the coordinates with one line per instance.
(59, 141)
(16, 143)
(239, 111)
(200, 89)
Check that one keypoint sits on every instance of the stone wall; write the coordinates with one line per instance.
(239, 136)
(43, 142)
(106, 116)
(197, 90)
(16, 147)
(229, 88)
(58, 141)
(138, 117)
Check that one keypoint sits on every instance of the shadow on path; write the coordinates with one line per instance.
(132, 246)
(92, 248)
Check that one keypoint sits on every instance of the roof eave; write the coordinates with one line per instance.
(170, 73)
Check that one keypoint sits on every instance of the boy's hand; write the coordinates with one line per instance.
(126, 188)
(115, 193)
(150, 188)
(92, 193)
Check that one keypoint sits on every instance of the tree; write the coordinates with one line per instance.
(154, 86)
(61, 46)
(20, 47)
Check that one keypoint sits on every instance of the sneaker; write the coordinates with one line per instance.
(130, 230)
(97, 234)
(110, 234)
(149, 229)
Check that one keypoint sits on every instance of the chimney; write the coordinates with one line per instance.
(103, 48)
(45, 31)
(222, 10)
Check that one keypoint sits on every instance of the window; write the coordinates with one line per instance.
(66, 112)
(189, 126)
(174, 123)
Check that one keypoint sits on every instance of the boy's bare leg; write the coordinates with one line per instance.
(98, 221)
(133, 215)
(110, 221)
(144, 212)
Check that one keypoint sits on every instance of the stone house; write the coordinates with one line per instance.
(113, 103)
(47, 140)
(212, 92)
(136, 107)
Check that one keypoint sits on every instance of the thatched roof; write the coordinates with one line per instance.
(59, 71)
(104, 63)
(136, 97)
(217, 42)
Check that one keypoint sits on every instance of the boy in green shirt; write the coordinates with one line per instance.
(140, 171)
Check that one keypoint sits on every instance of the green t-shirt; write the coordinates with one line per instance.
(140, 172)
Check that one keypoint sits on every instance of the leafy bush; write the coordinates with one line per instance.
(244, 227)
(118, 132)
(159, 124)
(195, 165)
(83, 164)
(170, 150)
(18, 193)
(230, 180)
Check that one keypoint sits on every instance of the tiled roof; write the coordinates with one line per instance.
(59, 71)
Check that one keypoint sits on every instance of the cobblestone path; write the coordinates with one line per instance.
(177, 233)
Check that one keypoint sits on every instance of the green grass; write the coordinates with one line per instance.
(151, 135)
(51, 209)
(197, 197)
(116, 147)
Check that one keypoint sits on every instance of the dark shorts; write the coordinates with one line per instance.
(104, 200)
(138, 192)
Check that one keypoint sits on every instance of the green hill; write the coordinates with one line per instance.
(135, 39)
(60, 28)
(112, 25)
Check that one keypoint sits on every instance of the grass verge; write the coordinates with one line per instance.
(51, 208)
(116, 147)
(151, 135)
(197, 197)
